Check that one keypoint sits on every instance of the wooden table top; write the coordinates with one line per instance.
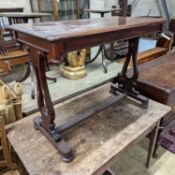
(11, 9)
(159, 72)
(97, 142)
(60, 30)
(24, 14)
(105, 10)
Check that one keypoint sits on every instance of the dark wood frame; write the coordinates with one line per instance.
(40, 48)
(15, 9)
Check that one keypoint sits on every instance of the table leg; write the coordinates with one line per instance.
(152, 143)
(46, 123)
(108, 172)
(157, 140)
(33, 81)
(48, 69)
(102, 15)
(27, 73)
(95, 57)
(126, 83)
(104, 57)
(30, 72)
(25, 20)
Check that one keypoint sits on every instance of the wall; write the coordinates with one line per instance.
(140, 7)
(96, 4)
(145, 7)
(16, 3)
(171, 6)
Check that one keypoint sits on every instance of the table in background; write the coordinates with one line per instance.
(101, 49)
(12, 9)
(18, 17)
(98, 142)
(102, 12)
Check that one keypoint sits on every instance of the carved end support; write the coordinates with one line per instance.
(55, 138)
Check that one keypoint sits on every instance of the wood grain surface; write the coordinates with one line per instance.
(97, 142)
(75, 28)
(156, 80)
(159, 72)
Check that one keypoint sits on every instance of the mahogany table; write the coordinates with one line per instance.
(54, 39)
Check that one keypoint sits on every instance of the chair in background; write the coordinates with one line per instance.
(11, 56)
(11, 53)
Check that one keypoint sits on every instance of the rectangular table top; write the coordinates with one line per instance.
(102, 10)
(97, 142)
(60, 30)
(12, 9)
(24, 14)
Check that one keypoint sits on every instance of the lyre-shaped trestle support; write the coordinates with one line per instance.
(125, 83)
(46, 123)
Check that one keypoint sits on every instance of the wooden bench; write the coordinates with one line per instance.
(148, 55)
(163, 46)
(97, 142)
(156, 81)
